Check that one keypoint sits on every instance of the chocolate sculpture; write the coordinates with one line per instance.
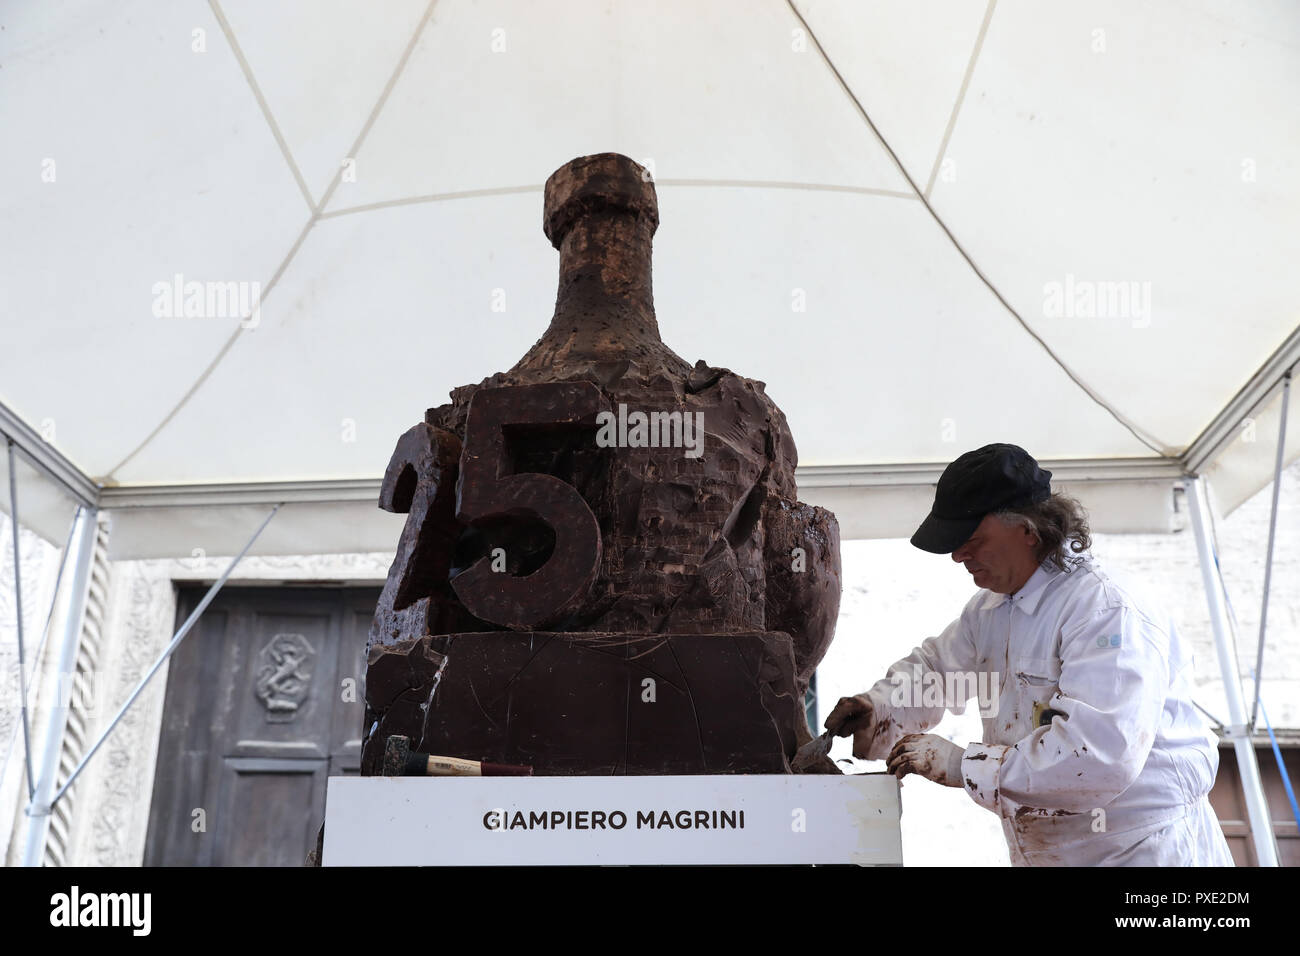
(605, 569)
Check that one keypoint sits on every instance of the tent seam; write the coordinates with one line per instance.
(961, 97)
(723, 183)
(293, 251)
(1139, 433)
(261, 100)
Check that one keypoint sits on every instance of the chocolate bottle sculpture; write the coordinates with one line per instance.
(605, 568)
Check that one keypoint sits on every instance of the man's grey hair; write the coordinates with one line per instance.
(1061, 525)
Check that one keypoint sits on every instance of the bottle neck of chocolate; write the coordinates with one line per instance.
(600, 212)
(604, 304)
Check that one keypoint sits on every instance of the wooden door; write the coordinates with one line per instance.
(265, 699)
(1229, 801)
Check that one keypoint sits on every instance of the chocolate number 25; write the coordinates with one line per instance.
(484, 492)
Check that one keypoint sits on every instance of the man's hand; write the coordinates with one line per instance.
(850, 715)
(931, 756)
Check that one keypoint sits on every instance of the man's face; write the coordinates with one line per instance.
(1000, 557)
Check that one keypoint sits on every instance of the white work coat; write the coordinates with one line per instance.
(1093, 753)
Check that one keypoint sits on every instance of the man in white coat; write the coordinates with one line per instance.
(1092, 753)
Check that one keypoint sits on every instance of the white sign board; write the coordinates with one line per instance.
(725, 819)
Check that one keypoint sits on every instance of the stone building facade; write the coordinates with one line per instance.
(132, 607)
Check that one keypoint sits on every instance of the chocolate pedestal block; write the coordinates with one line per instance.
(591, 703)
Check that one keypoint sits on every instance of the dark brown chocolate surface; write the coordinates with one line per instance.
(592, 703)
(522, 523)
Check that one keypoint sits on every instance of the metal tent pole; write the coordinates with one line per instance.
(1261, 828)
(18, 606)
(82, 547)
(1268, 555)
(49, 618)
(40, 809)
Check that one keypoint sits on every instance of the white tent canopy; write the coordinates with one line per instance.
(1084, 241)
